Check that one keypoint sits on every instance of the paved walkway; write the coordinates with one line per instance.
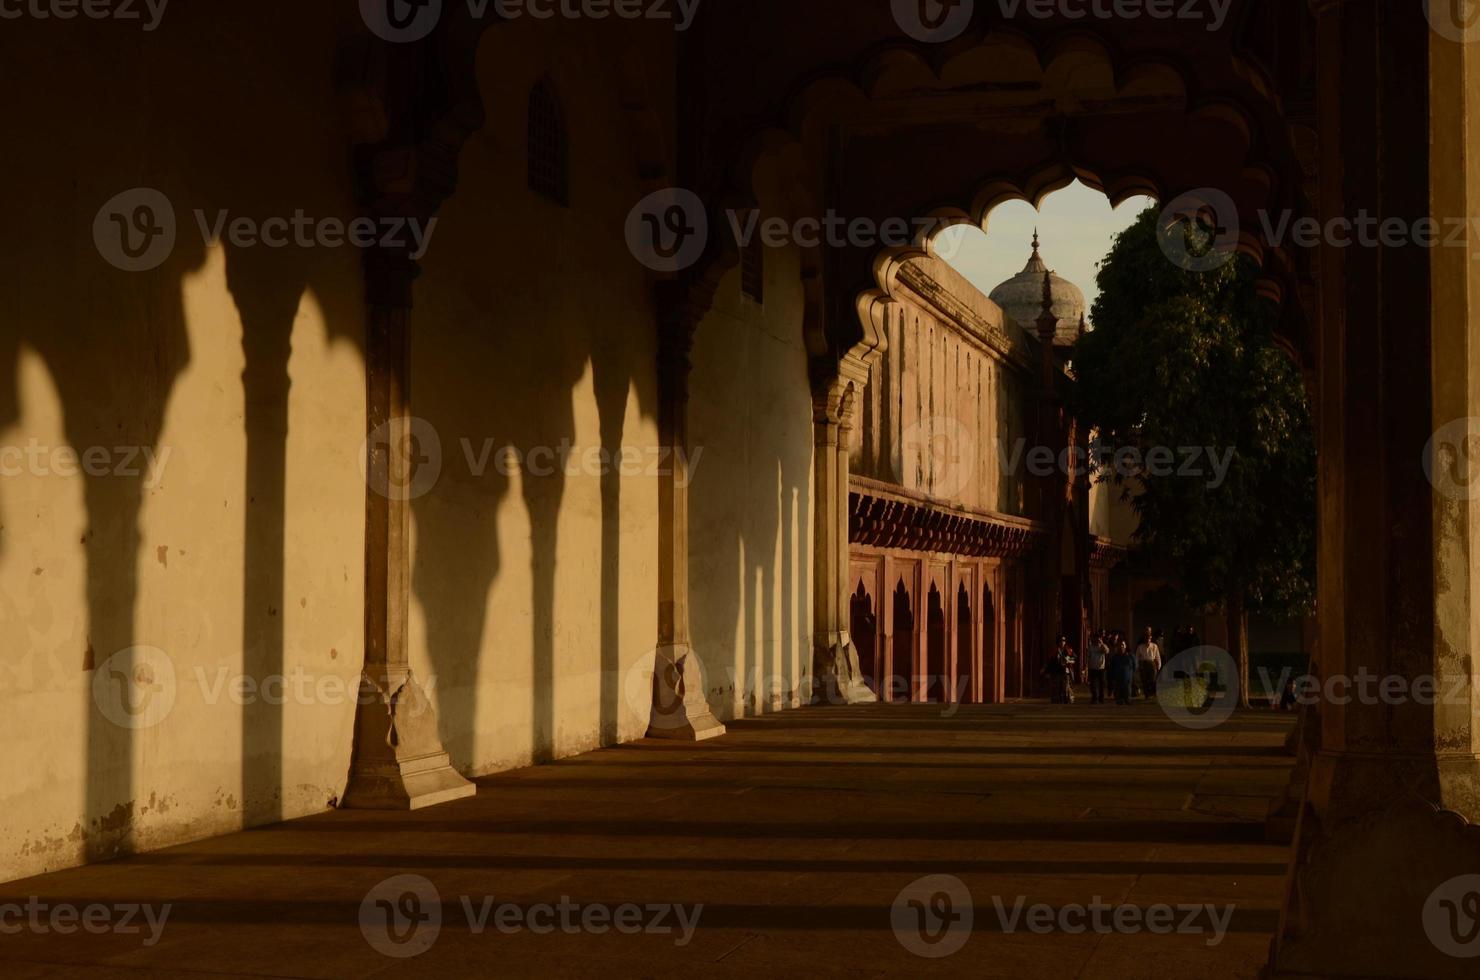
(797, 833)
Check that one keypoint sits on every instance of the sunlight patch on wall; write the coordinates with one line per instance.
(43, 681)
(190, 572)
(324, 545)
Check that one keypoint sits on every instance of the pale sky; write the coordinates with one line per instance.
(1076, 227)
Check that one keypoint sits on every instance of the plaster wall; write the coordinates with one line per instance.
(751, 503)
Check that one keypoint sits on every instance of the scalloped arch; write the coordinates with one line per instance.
(1077, 72)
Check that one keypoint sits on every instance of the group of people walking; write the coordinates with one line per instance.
(1110, 666)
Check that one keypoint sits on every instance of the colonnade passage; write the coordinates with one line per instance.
(798, 836)
(428, 516)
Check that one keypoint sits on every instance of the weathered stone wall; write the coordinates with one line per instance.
(948, 408)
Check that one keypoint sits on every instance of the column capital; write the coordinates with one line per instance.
(834, 410)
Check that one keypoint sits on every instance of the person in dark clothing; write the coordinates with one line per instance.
(1287, 700)
(1121, 667)
(1051, 669)
(1070, 663)
(1058, 670)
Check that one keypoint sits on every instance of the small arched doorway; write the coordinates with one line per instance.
(1013, 661)
(935, 648)
(964, 687)
(990, 668)
(863, 625)
(902, 645)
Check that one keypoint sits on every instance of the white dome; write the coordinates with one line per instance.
(1021, 298)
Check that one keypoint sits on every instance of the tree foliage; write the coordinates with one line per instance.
(1187, 359)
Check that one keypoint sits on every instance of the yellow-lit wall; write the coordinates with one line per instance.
(751, 504)
(240, 554)
(533, 597)
(535, 592)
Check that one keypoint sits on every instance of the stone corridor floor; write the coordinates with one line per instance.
(797, 832)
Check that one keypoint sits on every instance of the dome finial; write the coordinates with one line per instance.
(1035, 241)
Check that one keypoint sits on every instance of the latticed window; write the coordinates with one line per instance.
(548, 149)
(753, 268)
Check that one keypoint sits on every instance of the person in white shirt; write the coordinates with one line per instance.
(1148, 663)
(1095, 659)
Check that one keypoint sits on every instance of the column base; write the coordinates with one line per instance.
(836, 675)
(1366, 892)
(680, 709)
(398, 759)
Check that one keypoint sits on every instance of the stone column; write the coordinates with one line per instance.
(1383, 838)
(1052, 496)
(680, 707)
(836, 675)
(398, 762)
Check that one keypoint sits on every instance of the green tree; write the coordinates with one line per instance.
(1188, 359)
